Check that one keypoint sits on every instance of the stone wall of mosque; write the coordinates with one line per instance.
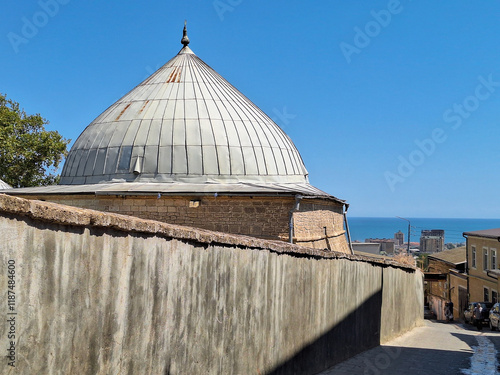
(100, 293)
(320, 224)
(317, 223)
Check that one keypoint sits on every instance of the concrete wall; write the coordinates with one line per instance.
(318, 223)
(99, 293)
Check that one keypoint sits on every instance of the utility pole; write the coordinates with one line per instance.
(402, 218)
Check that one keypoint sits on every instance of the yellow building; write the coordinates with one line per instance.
(482, 264)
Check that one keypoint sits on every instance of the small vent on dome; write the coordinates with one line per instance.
(138, 166)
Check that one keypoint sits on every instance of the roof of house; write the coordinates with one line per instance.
(453, 256)
(487, 233)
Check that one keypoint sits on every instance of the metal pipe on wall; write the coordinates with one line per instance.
(347, 229)
(467, 265)
(295, 208)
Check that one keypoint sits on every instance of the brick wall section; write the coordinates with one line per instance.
(317, 224)
(437, 288)
(320, 224)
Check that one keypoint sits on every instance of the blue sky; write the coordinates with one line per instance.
(393, 105)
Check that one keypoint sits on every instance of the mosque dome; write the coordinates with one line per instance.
(184, 124)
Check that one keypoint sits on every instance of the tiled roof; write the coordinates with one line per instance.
(453, 256)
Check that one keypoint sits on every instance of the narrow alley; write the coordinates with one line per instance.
(436, 348)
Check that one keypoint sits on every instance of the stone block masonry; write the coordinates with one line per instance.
(318, 223)
(102, 293)
(268, 217)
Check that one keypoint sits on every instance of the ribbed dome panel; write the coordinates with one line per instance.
(4, 185)
(185, 123)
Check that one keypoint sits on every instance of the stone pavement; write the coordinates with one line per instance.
(435, 348)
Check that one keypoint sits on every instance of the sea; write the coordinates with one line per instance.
(362, 228)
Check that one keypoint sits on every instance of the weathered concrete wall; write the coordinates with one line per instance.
(401, 294)
(99, 293)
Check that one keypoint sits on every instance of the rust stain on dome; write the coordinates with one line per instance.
(123, 110)
(175, 76)
(144, 106)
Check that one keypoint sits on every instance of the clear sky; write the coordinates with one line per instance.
(393, 105)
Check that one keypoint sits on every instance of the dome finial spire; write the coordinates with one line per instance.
(185, 39)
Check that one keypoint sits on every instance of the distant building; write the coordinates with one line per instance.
(367, 247)
(445, 280)
(399, 238)
(432, 241)
(386, 244)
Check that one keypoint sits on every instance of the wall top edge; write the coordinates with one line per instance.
(72, 216)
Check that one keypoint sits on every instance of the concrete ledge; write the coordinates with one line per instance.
(68, 215)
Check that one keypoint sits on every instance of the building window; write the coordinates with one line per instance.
(486, 297)
(494, 296)
(493, 259)
(485, 259)
(473, 255)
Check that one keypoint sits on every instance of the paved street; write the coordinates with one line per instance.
(436, 348)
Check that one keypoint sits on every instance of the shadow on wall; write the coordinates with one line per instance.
(353, 335)
(152, 302)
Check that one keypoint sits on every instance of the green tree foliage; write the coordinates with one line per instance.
(29, 154)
